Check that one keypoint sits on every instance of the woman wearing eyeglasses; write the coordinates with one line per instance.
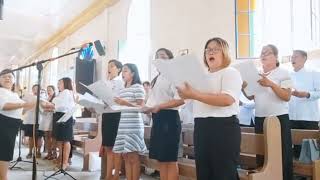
(273, 101)
(216, 130)
(11, 107)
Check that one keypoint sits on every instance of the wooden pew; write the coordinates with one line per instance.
(89, 139)
(311, 170)
(268, 145)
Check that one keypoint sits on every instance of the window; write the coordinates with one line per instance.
(136, 48)
(245, 20)
(288, 24)
(53, 72)
(315, 21)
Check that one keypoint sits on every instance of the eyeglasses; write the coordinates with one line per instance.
(214, 50)
(266, 54)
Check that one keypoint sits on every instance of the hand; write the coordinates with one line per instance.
(265, 82)
(300, 94)
(120, 101)
(149, 110)
(28, 105)
(244, 85)
(48, 107)
(187, 92)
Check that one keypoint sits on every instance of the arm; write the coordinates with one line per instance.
(283, 93)
(122, 102)
(244, 85)
(14, 106)
(230, 91)
(167, 105)
(214, 99)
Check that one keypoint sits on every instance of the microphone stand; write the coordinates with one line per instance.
(19, 159)
(35, 126)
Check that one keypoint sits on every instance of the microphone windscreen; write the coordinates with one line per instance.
(100, 48)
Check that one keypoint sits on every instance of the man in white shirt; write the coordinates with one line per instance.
(303, 106)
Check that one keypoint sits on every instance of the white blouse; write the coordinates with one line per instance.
(7, 96)
(64, 102)
(117, 85)
(228, 81)
(162, 92)
(267, 103)
(30, 115)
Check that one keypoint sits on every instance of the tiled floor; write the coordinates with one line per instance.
(46, 168)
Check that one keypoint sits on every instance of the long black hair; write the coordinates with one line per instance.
(54, 92)
(134, 69)
(67, 83)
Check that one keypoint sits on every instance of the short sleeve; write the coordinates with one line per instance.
(175, 92)
(3, 101)
(285, 81)
(139, 92)
(231, 83)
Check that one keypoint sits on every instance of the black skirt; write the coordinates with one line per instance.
(165, 136)
(28, 130)
(62, 131)
(217, 147)
(8, 132)
(110, 124)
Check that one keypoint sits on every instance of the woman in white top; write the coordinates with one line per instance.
(46, 124)
(29, 121)
(163, 103)
(273, 101)
(64, 102)
(11, 107)
(110, 121)
(216, 131)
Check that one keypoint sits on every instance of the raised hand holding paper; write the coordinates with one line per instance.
(250, 75)
(184, 69)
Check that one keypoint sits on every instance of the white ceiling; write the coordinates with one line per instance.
(26, 24)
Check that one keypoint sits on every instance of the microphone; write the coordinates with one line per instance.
(82, 46)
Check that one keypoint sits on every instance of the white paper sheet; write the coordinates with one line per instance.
(90, 101)
(184, 69)
(250, 74)
(67, 115)
(103, 90)
(100, 106)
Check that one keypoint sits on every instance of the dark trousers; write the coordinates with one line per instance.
(302, 125)
(217, 148)
(286, 141)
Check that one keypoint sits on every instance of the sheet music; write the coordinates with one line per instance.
(89, 101)
(67, 115)
(182, 69)
(103, 90)
(250, 74)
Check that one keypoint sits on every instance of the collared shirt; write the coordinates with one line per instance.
(117, 85)
(305, 109)
(246, 110)
(64, 102)
(7, 96)
(267, 103)
(162, 92)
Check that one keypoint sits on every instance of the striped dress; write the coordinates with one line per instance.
(130, 137)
